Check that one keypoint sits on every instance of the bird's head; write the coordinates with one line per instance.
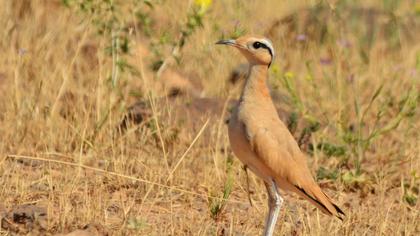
(258, 50)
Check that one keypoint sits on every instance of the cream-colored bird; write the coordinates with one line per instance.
(262, 141)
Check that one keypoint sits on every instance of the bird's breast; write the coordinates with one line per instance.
(242, 148)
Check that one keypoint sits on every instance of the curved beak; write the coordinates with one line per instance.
(230, 42)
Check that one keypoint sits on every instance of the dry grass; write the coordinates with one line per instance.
(60, 148)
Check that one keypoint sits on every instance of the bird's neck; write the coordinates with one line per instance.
(256, 84)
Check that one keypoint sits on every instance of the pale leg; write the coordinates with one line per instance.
(274, 204)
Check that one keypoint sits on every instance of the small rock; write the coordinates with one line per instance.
(24, 219)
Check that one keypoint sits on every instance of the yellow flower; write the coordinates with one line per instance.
(275, 68)
(289, 74)
(203, 4)
(417, 8)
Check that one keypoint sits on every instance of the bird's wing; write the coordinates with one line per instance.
(275, 146)
(277, 149)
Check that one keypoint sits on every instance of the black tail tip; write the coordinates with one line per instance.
(341, 214)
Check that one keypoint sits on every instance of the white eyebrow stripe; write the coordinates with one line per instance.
(268, 43)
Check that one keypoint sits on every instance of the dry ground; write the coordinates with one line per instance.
(351, 72)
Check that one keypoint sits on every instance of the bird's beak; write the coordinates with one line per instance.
(229, 42)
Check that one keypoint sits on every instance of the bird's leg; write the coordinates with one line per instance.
(245, 167)
(274, 203)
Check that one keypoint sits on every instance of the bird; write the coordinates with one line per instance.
(262, 142)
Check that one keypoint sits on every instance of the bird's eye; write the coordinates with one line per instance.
(257, 45)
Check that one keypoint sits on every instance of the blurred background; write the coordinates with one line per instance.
(113, 115)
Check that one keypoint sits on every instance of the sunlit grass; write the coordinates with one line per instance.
(347, 73)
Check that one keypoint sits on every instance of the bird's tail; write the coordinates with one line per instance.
(316, 196)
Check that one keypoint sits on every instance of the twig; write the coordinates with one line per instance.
(174, 53)
(188, 149)
(118, 175)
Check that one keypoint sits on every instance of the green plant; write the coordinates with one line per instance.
(110, 22)
(217, 204)
(411, 189)
(324, 173)
(194, 21)
(359, 141)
